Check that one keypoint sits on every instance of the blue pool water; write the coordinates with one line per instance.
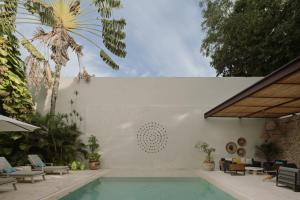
(149, 189)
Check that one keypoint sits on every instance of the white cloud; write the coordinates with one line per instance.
(163, 39)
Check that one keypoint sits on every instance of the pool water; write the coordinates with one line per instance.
(148, 189)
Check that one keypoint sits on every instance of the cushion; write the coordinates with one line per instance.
(243, 160)
(41, 164)
(248, 161)
(9, 170)
(236, 160)
(280, 162)
(256, 163)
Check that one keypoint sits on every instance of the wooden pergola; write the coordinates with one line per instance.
(276, 95)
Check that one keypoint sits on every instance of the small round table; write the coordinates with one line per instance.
(254, 170)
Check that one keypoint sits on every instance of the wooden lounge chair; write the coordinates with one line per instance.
(9, 180)
(48, 168)
(8, 171)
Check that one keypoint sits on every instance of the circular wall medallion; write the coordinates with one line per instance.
(231, 147)
(152, 137)
(242, 141)
(241, 152)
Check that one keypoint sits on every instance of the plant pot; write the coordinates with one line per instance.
(94, 165)
(209, 166)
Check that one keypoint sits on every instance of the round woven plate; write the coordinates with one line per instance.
(241, 152)
(231, 147)
(242, 141)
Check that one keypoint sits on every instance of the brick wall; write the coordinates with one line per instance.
(285, 133)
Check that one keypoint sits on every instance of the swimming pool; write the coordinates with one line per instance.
(149, 189)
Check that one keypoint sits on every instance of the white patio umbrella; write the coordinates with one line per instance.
(8, 125)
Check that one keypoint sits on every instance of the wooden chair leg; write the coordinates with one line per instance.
(32, 179)
(44, 177)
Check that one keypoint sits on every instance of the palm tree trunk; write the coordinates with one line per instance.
(54, 94)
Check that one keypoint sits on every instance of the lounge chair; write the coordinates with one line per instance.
(48, 168)
(289, 177)
(8, 171)
(9, 180)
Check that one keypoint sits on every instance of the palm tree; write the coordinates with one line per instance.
(60, 23)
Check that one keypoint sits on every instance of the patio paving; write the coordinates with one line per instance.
(249, 187)
(54, 187)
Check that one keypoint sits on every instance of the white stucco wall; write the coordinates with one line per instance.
(114, 108)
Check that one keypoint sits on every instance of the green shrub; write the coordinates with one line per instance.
(57, 141)
(93, 145)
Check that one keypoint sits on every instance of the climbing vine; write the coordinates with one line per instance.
(15, 97)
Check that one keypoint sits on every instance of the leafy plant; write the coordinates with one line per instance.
(268, 151)
(250, 37)
(93, 145)
(204, 147)
(15, 98)
(61, 23)
(57, 141)
(77, 165)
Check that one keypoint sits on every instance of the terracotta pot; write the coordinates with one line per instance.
(94, 165)
(209, 166)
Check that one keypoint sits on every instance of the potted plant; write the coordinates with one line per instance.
(209, 163)
(93, 155)
(267, 150)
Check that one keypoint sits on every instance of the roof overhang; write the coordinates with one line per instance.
(276, 95)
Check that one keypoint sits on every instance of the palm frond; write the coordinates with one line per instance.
(119, 35)
(43, 10)
(48, 74)
(75, 7)
(113, 24)
(105, 7)
(107, 59)
(8, 12)
(32, 50)
(112, 43)
(115, 46)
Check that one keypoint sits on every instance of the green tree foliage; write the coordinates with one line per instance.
(250, 37)
(61, 23)
(58, 141)
(15, 98)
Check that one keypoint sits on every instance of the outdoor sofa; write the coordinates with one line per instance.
(38, 165)
(9, 180)
(231, 167)
(289, 177)
(7, 170)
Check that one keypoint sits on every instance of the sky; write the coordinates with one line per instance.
(163, 39)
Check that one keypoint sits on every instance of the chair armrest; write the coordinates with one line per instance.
(49, 164)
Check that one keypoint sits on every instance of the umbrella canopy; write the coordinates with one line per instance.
(8, 125)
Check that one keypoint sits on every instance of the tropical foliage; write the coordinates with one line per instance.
(58, 141)
(60, 23)
(15, 98)
(93, 145)
(268, 151)
(250, 37)
(204, 147)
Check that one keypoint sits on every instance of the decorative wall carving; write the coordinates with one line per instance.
(152, 137)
